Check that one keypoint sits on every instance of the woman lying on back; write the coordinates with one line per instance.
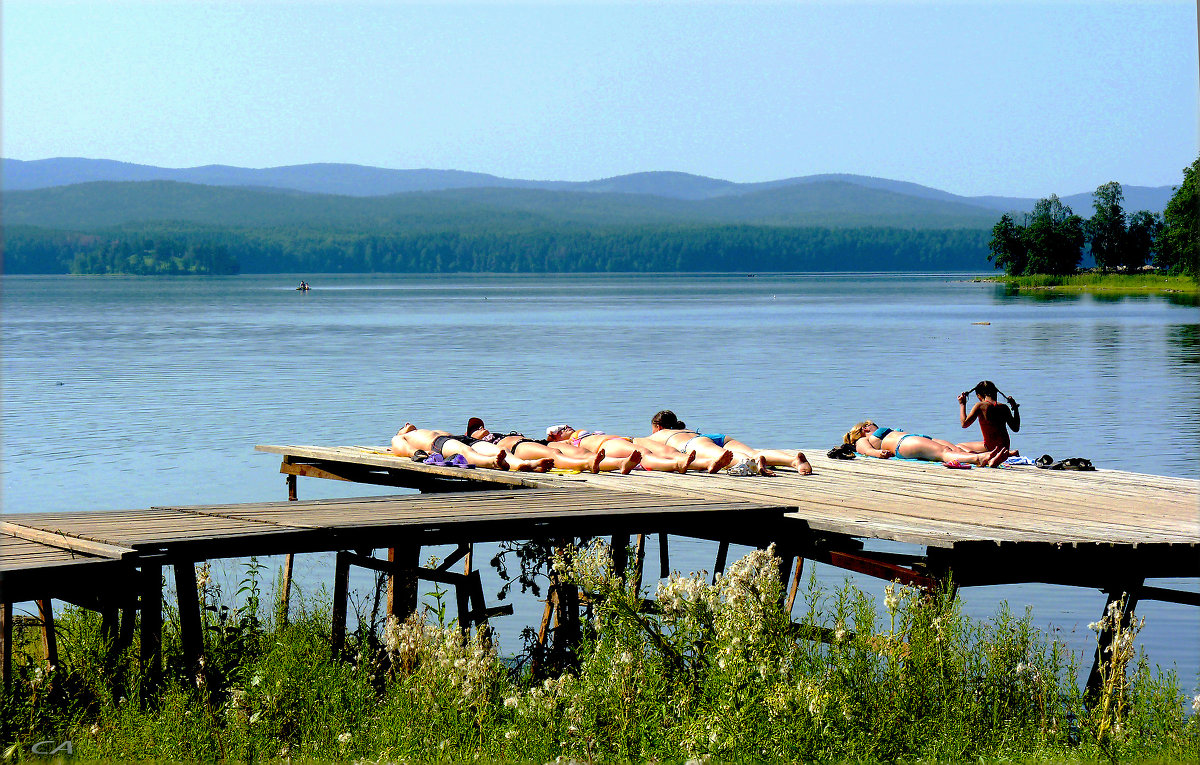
(565, 456)
(654, 456)
(873, 441)
(666, 428)
(411, 439)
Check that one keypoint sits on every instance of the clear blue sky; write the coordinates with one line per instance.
(971, 97)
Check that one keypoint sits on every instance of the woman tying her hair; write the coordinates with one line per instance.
(565, 456)
(885, 443)
(654, 456)
(666, 428)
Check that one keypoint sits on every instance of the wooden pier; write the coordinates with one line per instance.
(1106, 530)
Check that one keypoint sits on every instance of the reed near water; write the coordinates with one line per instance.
(716, 670)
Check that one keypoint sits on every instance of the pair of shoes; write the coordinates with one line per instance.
(420, 455)
(745, 467)
(458, 461)
(956, 465)
(841, 452)
(435, 459)
(1044, 461)
(1073, 463)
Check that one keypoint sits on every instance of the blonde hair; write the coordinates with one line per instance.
(857, 432)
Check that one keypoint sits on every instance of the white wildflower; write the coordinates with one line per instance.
(511, 702)
(1196, 703)
(510, 734)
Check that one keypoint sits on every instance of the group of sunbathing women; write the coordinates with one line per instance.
(672, 447)
(669, 447)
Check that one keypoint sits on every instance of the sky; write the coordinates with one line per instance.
(1013, 98)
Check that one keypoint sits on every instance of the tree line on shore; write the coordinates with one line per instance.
(190, 249)
(1052, 238)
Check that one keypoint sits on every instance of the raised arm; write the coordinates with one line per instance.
(965, 419)
(1014, 420)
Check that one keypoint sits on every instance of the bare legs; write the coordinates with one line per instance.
(917, 447)
(709, 457)
(771, 457)
(409, 439)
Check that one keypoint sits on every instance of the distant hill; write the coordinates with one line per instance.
(362, 181)
(90, 206)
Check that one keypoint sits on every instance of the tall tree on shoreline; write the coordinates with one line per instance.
(1141, 239)
(1007, 249)
(1054, 238)
(1179, 241)
(1106, 228)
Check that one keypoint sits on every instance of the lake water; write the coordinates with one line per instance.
(132, 392)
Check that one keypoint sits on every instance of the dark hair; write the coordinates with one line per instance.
(987, 389)
(667, 420)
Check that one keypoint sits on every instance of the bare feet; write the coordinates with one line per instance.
(502, 460)
(597, 460)
(722, 462)
(1000, 454)
(802, 465)
(629, 463)
(686, 461)
(763, 467)
(542, 465)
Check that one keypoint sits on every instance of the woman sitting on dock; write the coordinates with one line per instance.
(565, 456)
(885, 443)
(654, 456)
(411, 439)
(666, 428)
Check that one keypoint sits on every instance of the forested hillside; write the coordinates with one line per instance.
(166, 227)
(162, 249)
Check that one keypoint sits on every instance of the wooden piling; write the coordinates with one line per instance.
(341, 593)
(190, 632)
(6, 644)
(151, 639)
(49, 638)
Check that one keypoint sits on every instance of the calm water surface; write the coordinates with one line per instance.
(131, 392)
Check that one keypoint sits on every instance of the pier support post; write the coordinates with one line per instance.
(6, 637)
(190, 632)
(285, 587)
(722, 558)
(664, 557)
(402, 584)
(151, 641)
(639, 561)
(620, 554)
(795, 586)
(341, 593)
(49, 638)
(1127, 595)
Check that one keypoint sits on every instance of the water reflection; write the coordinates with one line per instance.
(1037, 296)
(1184, 340)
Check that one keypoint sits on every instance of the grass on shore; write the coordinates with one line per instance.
(716, 674)
(1098, 282)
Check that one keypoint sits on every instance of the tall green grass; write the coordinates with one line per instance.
(1098, 282)
(717, 672)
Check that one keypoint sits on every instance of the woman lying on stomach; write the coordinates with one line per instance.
(874, 441)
